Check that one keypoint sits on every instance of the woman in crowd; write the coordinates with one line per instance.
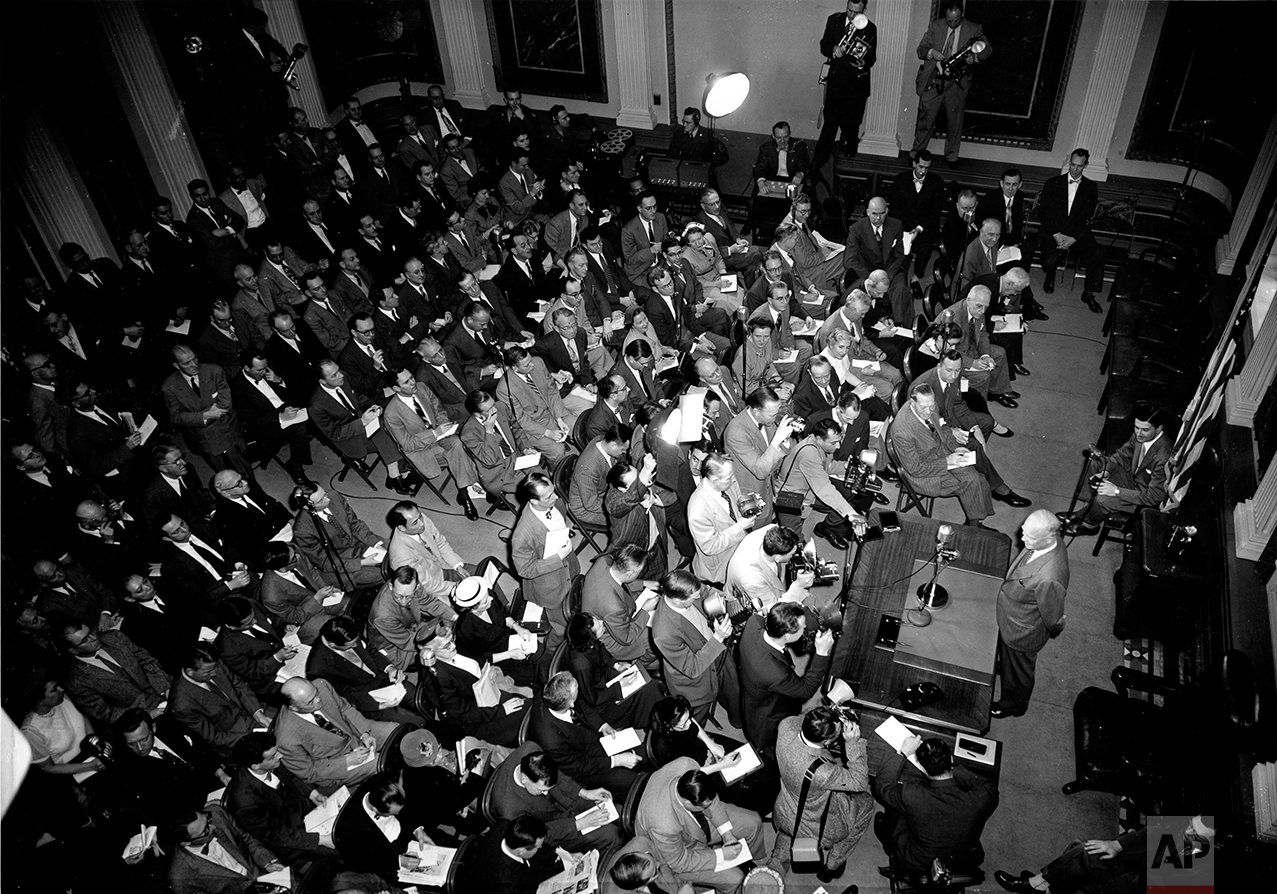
(602, 679)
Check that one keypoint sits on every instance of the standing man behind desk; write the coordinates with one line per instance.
(1030, 609)
(917, 200)
(851, 53)
(945, 38)
(1065, 207)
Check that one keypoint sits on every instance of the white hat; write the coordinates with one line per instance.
(469, 592)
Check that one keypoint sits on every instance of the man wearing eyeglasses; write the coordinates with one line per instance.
(738, 255)
(641, 237)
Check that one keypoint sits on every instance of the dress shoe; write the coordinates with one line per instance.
(830, 875)
(1011, 883)
(889, 474)
(1010, 393)
(400, 485)
(467, 505)
(1069, 518)
(881, 499)
(1048, 284)
(837, 541)
(1005, 433)
(1011, 498)
(1089, 300)
(916, 288)
(1005, 399)
(1021, 369)
(998, 710)
(361, 467)
(1078, 529)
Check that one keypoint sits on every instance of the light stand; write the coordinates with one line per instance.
(724, 94)
(932, 595)
(330, 552)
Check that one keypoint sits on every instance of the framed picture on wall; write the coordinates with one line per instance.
(549, 47)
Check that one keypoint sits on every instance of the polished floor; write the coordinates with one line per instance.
(1055, 419)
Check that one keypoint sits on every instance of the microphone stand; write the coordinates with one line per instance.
(843, 599)
(330, 552)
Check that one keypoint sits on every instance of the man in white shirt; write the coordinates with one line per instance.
(247, 197)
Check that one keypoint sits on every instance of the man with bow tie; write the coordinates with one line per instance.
(1030, 609)
(215, 226)
(960, 227)
(246, 197)
(355, 136)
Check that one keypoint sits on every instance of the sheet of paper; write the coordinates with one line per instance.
(1008, 253)
(581, 394)
(372, 756)
(907, 241)
(813, 298)
(749, 762)
(295, 666)
(148, 427)
(893, 732)
(580, 876)
(215, 796)
(961, 748)
(302, 416)
(870, 365)
(720, 863)
(960, 460)
(371, 426)
(623, 740)
(446, 430)
(527, 460)
(1014, 323)
(334, 599)
(528, 644)
(183, 329)
(485, 689)
(389, 696)
(282, 877)
(376, 551)
(433, 868)
(536, 316)
(666, 363)
(877, 428)
(610, 806)
(805, 327)
(207, 634)
(629, 682)
(284, 534)
(323, 817)
(557, 543)
(532, 613)
(488, 272)
(728, 283)
(145, 838)
(787, 357)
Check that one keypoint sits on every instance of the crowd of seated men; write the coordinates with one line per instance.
(473, 310)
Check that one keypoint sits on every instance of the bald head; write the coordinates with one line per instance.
(89, 512)
(300, 692)
(706, 366)
(45, 570)
(226, 479)
(1041, 529)
(878, 282)
(877, 205)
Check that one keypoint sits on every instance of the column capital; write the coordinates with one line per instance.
(1108, 81)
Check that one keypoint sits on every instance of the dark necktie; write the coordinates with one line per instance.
(704, 824)
(324, 723)
(195, 383)
(341, 396)
(421, 411)
(971, 331)
(464, 241)
(1008, 217)
(506, 449)
(609, 278)
(731, 510)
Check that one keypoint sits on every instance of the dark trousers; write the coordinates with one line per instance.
(923, 246)
(1017, 676)
(1086, 248)
(844, 110)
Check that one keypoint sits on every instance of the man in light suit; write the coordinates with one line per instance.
(1133, 477)
(1030, 609)
(213, 703)
(670, 816)
(546, 578)
(946, 37)
(403, 614)
(1066, 205)
(805, 471)
(416, 542)
(353, 283)
(814, 260)
(192, 870)
(464, 243)
(418, 143)
(563, 230)
(876, 242)
(459, 166)
(325, 314)
(719, 380)
(981, 256)
(606, 595)
(738, 255)
(989, 373)
(489, 436)
(777, 309)
(923, 445)
(756, 443)
(413, 417)
(641, 238)
(520, 189)
(251, 308)
(107, 673)
(323, 740)
(638, 859)
(198, 399)
(540, 420)
(716, 525)
(696, 662)
(279, 276)
(755, 568)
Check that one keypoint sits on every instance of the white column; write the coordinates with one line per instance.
(882, 112)
(1244, 211)
(1244, 392)
(1108, 82)
(286, 27)
(1255, 519)
(55, 195)
(634, 75)
(150, 101)
(461, 35)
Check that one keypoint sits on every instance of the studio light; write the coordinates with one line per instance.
(725, 93)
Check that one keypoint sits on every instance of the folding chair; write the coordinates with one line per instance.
(907, 497)
(562, 484)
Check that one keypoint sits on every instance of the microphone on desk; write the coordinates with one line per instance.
(945, 537)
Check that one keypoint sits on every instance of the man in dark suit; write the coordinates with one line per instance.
(355, 136)
(575, 748)
(875, 242)
(173, 242)
(473, 346)
(343, 208)
(945, 38)
(200, 568)
(1030, 609)
(47, 490)
(606, 594)
(69, 592)
(107, 673)
(529, 783)
(677, 323)
(161, 626)
(251, 645)
(691, 142)
(1006, 203)
(161, 770)
(193, 871)
(1066, 205)
(315, 242)
(310, 154)
(917, 200)
(506, 859)
(818, 389)
(293, 352)
(738, 255)
(157, 286)
(611, 408)
(770, 688)
(1133, 477)
(343, 417)
(271, 803)
(564, 349)
(981, 257)
(92, 288)
(850, 52)
(345, 532)
(108, 548)
(262, 399)
(520, 279)
(376, 250)
(436, 204)
(945, 380)
(221, 342)
(173, 489)
(368, 369)
(382, 185)
(506, 326)
(960, 227)
(342, 657)
(212, 703)
(641, 238)
(635, 367)
(102, 443)
(797, 158)
(937, 812)
(215, 226)
(442, 374)
(246, 516)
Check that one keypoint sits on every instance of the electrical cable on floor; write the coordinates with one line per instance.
(504, 532)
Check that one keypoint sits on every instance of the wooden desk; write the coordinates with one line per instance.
(880, 584)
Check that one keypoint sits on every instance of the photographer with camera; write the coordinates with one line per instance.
(805, 483)
(824, 805)
(757, 443)
(771, 689)
(754, 573)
